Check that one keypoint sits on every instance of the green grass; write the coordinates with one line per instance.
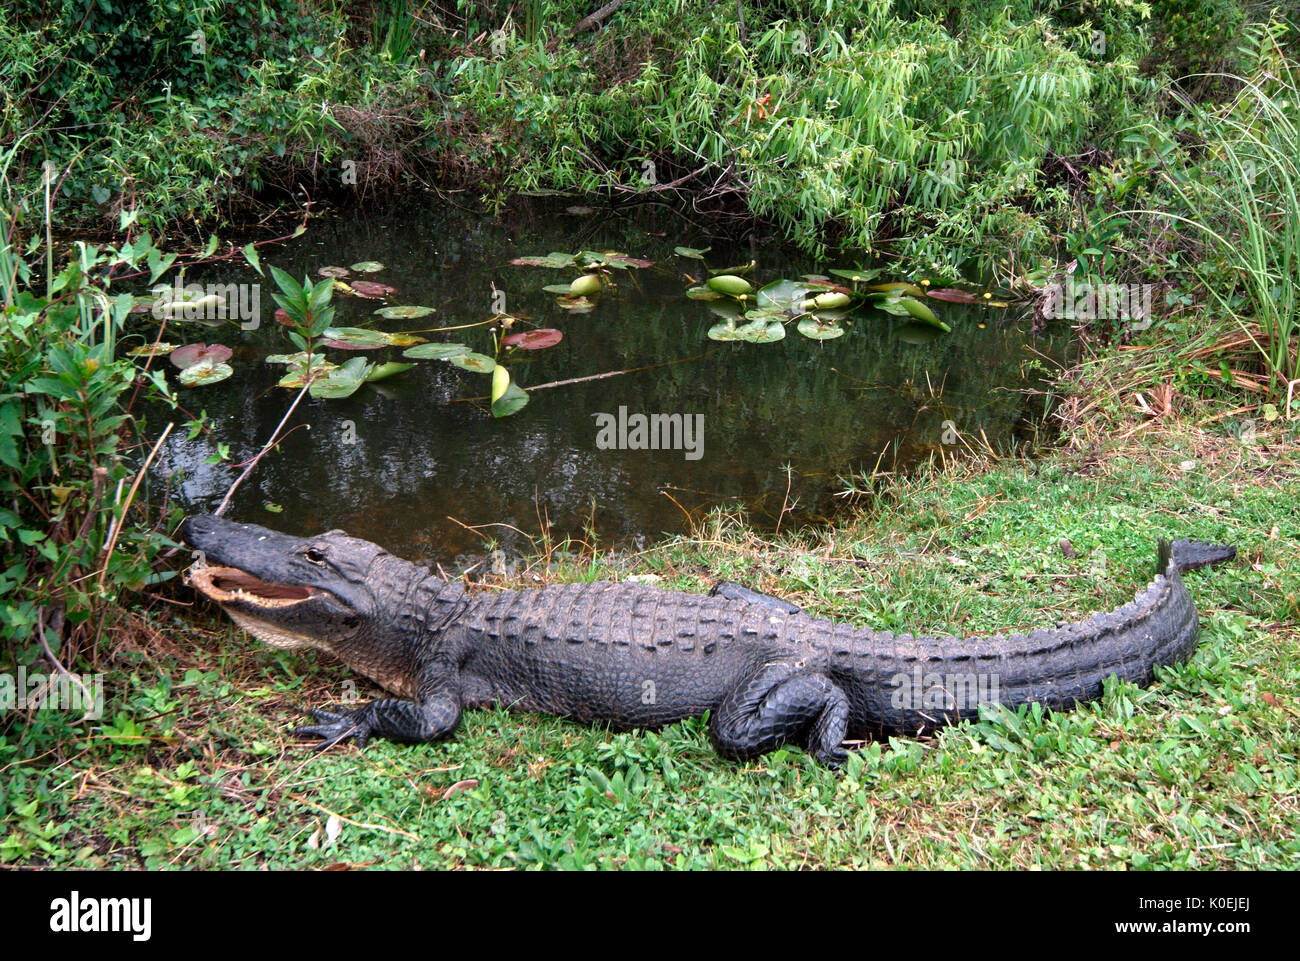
(1198, 771)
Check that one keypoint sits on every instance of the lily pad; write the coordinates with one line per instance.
(335, 272)
(534, 339)
(384, 371)
(435, 351)
(576, 305)
(553, 259)
(404, 313)
(694, 253)
(623, 260)
(359, 338)
(368, 289)
(342, 381)
(192, 354)
(740, 269)
(512, 401)
(557, 289)
(368, 267)
(205, 372)
(900, 287)
(755, 332)
(953, 296)
(703, 293)
(856, 274)
(479, 363)
(813, 330)
(783, 294)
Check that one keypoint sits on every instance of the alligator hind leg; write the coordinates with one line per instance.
(780, 703)
(734, 592)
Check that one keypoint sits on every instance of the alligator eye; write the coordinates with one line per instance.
(315, 556)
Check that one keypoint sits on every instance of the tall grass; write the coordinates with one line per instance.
(1243, 198)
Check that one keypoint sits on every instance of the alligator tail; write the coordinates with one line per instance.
(1189, 555)
(922, 683)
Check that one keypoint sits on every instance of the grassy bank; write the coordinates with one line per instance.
(195, 768)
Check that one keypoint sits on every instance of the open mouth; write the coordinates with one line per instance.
(226, 584)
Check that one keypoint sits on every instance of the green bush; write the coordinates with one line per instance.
(63, 427)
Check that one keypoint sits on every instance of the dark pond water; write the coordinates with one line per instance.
(402, 461)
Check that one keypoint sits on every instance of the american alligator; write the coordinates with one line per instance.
(636, 656)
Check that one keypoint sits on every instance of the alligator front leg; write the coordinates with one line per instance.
(432, 715)
(780, 703)
(407, 721)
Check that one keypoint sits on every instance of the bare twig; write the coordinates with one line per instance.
(225, 501)
(87, 698)
(117, 530)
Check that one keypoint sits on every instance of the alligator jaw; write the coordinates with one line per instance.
(227, 584)
(256, 605)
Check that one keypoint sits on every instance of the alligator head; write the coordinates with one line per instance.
(289, 592)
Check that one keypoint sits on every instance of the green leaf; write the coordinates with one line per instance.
(511, 402)
(435, 351)
(478, 363)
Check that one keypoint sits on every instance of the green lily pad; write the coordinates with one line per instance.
(512, 401)
(856, 274)
(368, 267)
(703, 293)
(404, 313)
(755, 332)
(205, 372)
(360, 338)
(341, 381)
(739, 270)
(783, 294)
(810, 328)
(767, 314)
(576, 305)
(694, 253)
(479, 363)
(384, 371)
(435, 351)
(553, 259)
(623, 260)
(557, 289)
(900, 287)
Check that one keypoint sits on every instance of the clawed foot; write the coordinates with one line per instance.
(833, 759)
(339, 726)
